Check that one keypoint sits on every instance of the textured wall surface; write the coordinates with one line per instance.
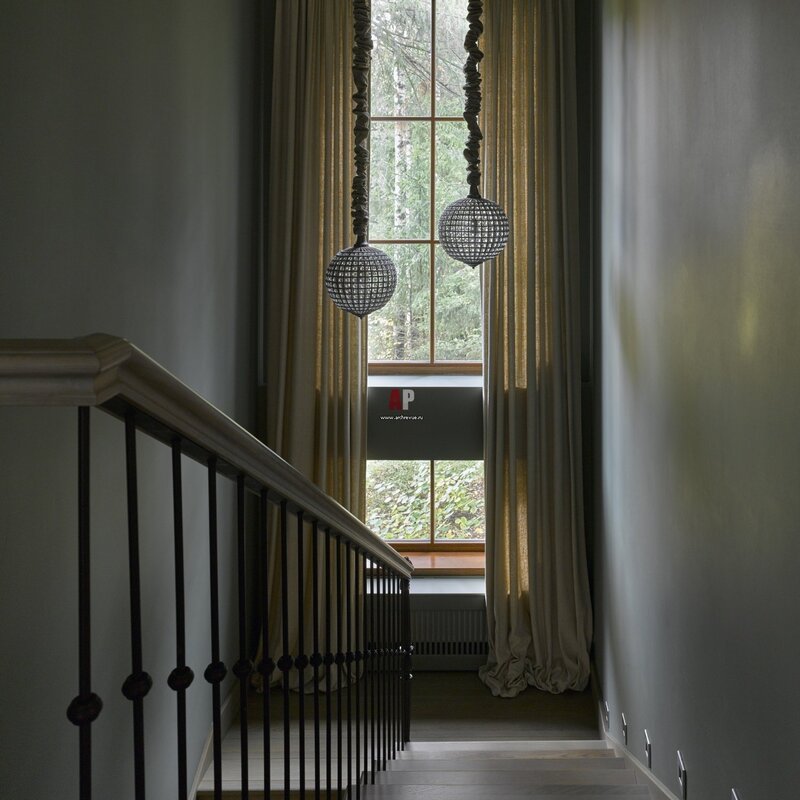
(697, 548)
(126, 186)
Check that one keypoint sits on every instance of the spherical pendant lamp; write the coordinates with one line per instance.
(474, 229)
(361, 279)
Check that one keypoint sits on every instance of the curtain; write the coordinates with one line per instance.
(538, 603)
(315, 363)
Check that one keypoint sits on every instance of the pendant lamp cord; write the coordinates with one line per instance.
(472, 91)
(362, 46)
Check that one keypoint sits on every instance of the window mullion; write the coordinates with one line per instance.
(432, 221)
(433, 503)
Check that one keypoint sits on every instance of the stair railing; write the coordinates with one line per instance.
(370, 651)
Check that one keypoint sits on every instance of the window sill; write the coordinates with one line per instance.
(458, 563)
(425, 368)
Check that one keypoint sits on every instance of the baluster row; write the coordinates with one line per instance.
(357, 629)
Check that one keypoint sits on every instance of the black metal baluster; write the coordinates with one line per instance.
(86, 706)
(215, 672)
(285, 661)
(339, 662)
(391, 649)
(302, 660)
(408, 650)
(358, 657)
(374, 664)
(349, 666)
(386, 667)
(378, 667)
(398, 662)
(138, 683)
(182, 676)
(390, 665)
(400, 655)
(366, 657)
(316, 658)
(387, 598)
(242, 667)
(267, 666)
(393, 668)
(328, 663)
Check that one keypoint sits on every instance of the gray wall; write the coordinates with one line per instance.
(126, 196)
(697, 554)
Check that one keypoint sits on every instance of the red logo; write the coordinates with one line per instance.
(400, 399)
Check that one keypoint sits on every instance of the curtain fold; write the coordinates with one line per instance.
(315, 366)
(540, 623)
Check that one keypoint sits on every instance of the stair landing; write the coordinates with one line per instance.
(479, 770)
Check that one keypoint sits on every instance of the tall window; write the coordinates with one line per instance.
(433, 322)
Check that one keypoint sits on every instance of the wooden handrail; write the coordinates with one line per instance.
(113, 374)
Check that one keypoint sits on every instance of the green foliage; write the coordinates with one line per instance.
(399, 501)
(400, 331)
(400, 180)
(460, 511)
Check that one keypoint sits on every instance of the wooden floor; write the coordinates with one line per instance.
(445, 706)
(456, 706)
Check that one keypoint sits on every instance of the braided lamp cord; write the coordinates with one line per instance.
(472, 91)
(362, 46)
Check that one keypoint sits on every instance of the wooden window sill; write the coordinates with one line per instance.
(458, 563)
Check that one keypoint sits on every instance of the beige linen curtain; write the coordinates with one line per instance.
(538, 602)
(315, 359)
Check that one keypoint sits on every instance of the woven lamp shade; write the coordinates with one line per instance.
(360, 279)
(473, 230)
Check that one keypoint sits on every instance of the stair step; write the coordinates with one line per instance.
(584, 792)
(507, 778)
(530, 745)
(232, 790)
(549, 792)
(445, 755)
(503, 764)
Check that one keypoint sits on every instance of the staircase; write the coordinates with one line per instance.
(539, 770)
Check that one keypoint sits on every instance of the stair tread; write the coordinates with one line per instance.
(498, 778)
(503, 764)
(530, 745)
(446, 755)
(547, 792)
(585, 792)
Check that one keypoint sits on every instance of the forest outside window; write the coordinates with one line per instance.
(433, 321)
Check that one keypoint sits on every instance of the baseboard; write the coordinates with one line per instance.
(657, 789)
(228, 711)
